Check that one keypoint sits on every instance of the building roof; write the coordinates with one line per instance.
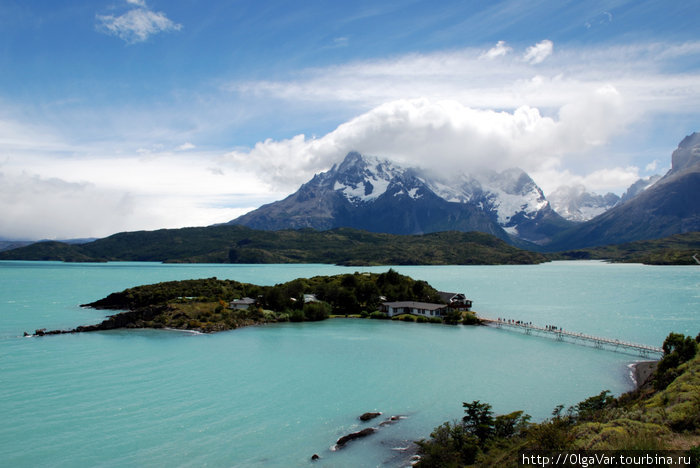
(448, 296)
(245, 300)
(415, 305)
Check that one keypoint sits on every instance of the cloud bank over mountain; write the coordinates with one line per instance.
(444, 135)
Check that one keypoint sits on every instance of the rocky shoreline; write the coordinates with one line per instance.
(126, 319)
(642, 372)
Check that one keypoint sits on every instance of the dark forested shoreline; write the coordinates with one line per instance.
(239, 244)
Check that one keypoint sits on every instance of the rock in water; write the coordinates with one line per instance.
(355, 435)
(368, 416)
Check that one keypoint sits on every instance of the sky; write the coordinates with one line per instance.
(123, 115)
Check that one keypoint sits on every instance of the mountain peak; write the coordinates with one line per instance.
(374, 194)
(687, 154)
(352, 161)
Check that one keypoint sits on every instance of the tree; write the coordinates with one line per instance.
(684, 346)
(450, 445)
(589, 408)
(346, 302)
(677, 350)
(509, 425)
(478, 420)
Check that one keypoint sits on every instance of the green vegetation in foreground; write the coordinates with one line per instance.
(239, 244)
(203, 305)
(663, 414)
(673, 250)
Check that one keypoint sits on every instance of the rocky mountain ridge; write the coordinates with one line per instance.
(671, 205)
(365, 192)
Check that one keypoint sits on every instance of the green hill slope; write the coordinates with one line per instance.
(674, 250)
(239, 244)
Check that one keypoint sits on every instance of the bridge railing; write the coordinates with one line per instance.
(597, 341)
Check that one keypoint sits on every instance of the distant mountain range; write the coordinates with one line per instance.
(669, 206)
(576, 204)
(372, 211)
(376, 195)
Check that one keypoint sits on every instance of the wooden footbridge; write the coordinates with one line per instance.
(578, 338)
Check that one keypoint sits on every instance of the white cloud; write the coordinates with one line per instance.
(601, 181)
(646, 81)
(186, 146)
(45, 196)
(539, 52)
(499, 50)
(611, 179)
(341, 41)
(136, 25)
(444, 135)
(603, 18)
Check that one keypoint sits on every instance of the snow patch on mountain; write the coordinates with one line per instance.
(508, 193)
(513, 192)
(576, 204)
(370, 189)
(363, 179)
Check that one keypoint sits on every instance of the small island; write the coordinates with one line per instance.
(214, 305)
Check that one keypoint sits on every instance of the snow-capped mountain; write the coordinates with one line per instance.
(377, 195)
(657, 208)
(576, 204)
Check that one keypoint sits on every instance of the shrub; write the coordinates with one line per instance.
(316, 310)
(297, 315)
(378, 315)
(470, 319)
(421, 319)
(194, 324)
(452, 317)
(590, 408)
(269, 316)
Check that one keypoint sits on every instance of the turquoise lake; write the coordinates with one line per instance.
(275, 395)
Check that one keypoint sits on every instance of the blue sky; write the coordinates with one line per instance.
(141, 114)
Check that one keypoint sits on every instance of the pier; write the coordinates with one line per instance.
(577, 338)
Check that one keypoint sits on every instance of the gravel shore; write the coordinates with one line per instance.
(642, 371)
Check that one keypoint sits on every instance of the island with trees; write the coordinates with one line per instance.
(213, 305)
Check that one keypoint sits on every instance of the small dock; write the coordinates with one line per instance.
(574, 337)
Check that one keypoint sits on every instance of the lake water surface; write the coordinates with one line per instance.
(274, 395)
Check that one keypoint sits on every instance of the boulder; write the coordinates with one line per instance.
(391, 420)
(355, 435)
(368, 416)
